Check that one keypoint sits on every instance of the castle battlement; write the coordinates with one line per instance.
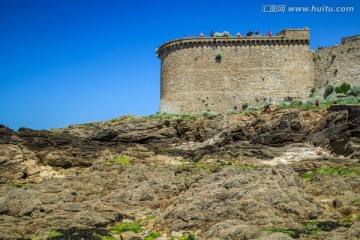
(285, 37)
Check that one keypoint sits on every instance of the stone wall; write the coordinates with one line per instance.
(337, 64)
(251, 70)
(295, 33)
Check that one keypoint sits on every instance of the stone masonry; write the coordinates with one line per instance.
(338, 64)
(217, 74)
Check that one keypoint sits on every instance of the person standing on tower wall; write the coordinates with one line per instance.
(270, 33)
(212, 33)
(201, 34)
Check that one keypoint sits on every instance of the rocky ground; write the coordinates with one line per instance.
(279, 174)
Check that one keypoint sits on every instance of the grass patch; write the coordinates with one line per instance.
(246, 167)
(190, 236)
(152, 236)
(17, 185)
(54, 234)
(274, 230)
(310, 228)
(358, 217)
(343, 170)
(196, 166)
(355, 201)
(346, 221)
(122, 160)
(89, 125)
(125, 227)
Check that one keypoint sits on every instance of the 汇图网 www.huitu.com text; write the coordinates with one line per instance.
(310, 9)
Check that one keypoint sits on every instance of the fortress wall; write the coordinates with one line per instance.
(192, 80)
(337, 64)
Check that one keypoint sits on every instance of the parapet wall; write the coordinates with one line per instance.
(338, 64)
(251, 70)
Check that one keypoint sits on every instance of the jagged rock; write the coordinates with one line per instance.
(276, 236)
(5, 134)
(218, 178)
(275, 193)
(232, 229)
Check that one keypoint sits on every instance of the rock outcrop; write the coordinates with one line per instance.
(283, 174)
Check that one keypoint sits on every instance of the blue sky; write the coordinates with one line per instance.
(74, 61)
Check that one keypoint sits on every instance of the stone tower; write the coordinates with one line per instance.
(217, 73)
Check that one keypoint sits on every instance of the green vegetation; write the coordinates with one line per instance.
(207, 114)
(312, 94)
(190, 236)
(251, 109)
(164, 116)
(152, 236)
(343, 88)
(355, 201)
(329, 89)
(22, 185)
(311, 228)
(291, 233)
(355, 91)
(218, 57)
(358, 217)
(232, 162)
(196, 166)
(89, 125)
(17, 185)
(343, 94)
(114, 120)
(125, 227)
(246, 167)
(231, 111)
(333, 58)
(346, 221)
(343, 170)
(54, 234)
(122, 160)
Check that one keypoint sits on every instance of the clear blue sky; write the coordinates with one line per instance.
(74, 61)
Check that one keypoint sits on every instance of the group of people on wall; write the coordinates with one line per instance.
(257, 33)
(248, 34)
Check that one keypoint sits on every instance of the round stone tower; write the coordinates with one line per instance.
(217, 74)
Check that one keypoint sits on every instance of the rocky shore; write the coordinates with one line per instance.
(279, 174)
